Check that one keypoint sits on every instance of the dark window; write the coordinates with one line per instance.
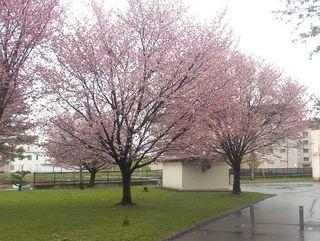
(30, 157)
(306, 159)
(305, 150)
(283, 150)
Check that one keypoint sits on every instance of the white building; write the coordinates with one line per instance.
(188, 175)
(158, 166)
(315, 138)
(291, 154)
(34, 160)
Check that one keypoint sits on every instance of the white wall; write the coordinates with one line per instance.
(315, 137)
(190, 177)
(172, 175)
(215, 178)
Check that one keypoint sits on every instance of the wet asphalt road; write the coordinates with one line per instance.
(277, 218)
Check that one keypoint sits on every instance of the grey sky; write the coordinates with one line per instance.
(260, 34)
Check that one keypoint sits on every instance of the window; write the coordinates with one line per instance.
(306, 159)
(305, 134)
(37, 157)
(283, 150)
(29, 157)
(270, 162)
(283, 163)
(305, 150)
(305, 142)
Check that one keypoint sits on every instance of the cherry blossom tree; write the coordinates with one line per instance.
(261, 109)
(65, 147)
(25, 26)
(124, 73)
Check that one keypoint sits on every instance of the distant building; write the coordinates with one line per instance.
(291, 154)
(34, 160)
(157, 166)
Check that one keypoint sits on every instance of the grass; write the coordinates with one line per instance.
(91, 215)
(275, 180)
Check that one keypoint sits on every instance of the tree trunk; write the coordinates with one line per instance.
(236, 180)
(92, 178)
(126, 189)
(81, 178)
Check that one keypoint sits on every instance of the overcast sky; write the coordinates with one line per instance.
(260, 34)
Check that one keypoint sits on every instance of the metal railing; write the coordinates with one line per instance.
(275, 172)
(60, 178)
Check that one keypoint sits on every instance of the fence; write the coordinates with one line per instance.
(275, 172)
(73, 178)
(147, 176)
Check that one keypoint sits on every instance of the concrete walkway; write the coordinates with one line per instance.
(277, 218)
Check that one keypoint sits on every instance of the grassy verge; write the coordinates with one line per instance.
(275, 180)
(90, 215)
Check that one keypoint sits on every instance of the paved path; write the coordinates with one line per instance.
(277, 218)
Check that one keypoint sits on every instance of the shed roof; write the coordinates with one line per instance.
(194, 159)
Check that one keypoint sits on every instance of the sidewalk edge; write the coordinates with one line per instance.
(213, 219)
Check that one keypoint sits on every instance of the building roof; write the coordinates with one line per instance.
(194, 159)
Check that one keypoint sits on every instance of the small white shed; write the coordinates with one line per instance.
(191, 175)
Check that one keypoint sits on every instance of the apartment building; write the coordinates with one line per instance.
(291, 154)
(34, 160)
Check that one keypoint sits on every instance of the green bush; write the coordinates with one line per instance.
(17, 178)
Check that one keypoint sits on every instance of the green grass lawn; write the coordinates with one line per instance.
(274, 180)
(91, 214)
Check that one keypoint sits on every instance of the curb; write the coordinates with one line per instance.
(213, 219)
